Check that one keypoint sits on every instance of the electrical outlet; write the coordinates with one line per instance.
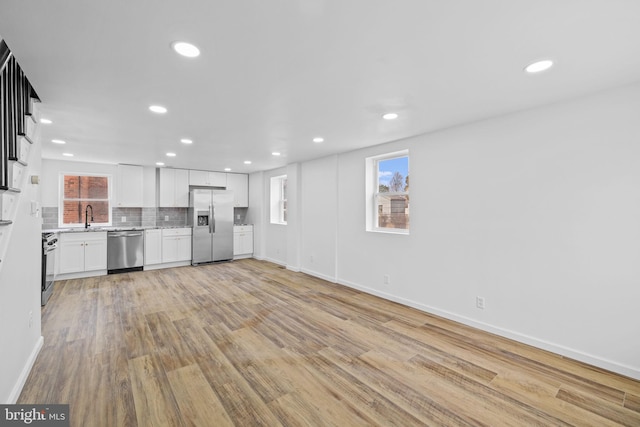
(30, 318)
(166, 217)
(124, 219)
(310, 258)
(480, 303)
(386, 279)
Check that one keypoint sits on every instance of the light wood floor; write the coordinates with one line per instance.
(249, 343)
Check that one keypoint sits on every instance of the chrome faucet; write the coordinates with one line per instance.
(86, 216)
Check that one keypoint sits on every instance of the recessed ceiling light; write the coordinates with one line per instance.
(159, 109)
(159, 163)
(247, 162)
(171, 154)
(186, 141)
(58, 141)
(186, 49)
(45, 121)
(390, 116)
(318, 139)
(539, 66)
(227, 169)
(67, 154)
(275, 153)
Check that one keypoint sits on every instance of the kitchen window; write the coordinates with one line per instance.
(278, 198)
(388, 193)
(77, 191)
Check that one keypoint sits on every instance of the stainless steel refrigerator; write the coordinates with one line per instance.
(211, 215)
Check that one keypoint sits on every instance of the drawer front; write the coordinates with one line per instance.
(170, 232)
(83, 236)
(242, 228)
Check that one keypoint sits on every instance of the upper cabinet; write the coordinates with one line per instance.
(130, 186)
(207, 178)
(239, 184)
(173, 188)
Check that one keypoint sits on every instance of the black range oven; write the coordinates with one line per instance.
(49, 246)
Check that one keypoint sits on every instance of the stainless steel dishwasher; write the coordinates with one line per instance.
(125, 251)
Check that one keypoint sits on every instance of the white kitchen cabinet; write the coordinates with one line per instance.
(239, 184)
(82, 251)
(173, 188)
(153, 246)
(176, 244)
(130, 186)
(207, 178)
(242, 241)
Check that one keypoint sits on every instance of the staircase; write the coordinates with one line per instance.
(17, 128)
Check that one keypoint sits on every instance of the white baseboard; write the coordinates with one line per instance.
(274, 261)
(629, 371)
(319, 275)
(166, 265)
(81, 274)
(26, 370)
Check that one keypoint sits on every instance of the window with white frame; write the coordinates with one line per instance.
(388, 192)
(278, 197)
(83, 197)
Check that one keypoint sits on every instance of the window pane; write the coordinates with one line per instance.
(278, 200)
(393, 175)
(86, 187)
(393, 211)
(74, 212)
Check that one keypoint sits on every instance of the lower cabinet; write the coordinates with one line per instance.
(242, 241)
(82, 251)
(176, 244)
(153, 246)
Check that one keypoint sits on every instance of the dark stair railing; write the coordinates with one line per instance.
(16, 103)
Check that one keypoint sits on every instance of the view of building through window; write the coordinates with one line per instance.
(392, 199)
(80, 191)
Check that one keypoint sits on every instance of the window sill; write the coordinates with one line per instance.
(389, 231)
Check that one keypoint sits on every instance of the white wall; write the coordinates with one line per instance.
(20, 278)
(274, 236)
(537, 211)
(320, 216)
(294, 210)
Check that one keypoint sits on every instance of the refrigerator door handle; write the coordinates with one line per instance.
(210, 219)
(213, 219)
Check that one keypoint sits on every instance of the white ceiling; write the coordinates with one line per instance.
(275, 74)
